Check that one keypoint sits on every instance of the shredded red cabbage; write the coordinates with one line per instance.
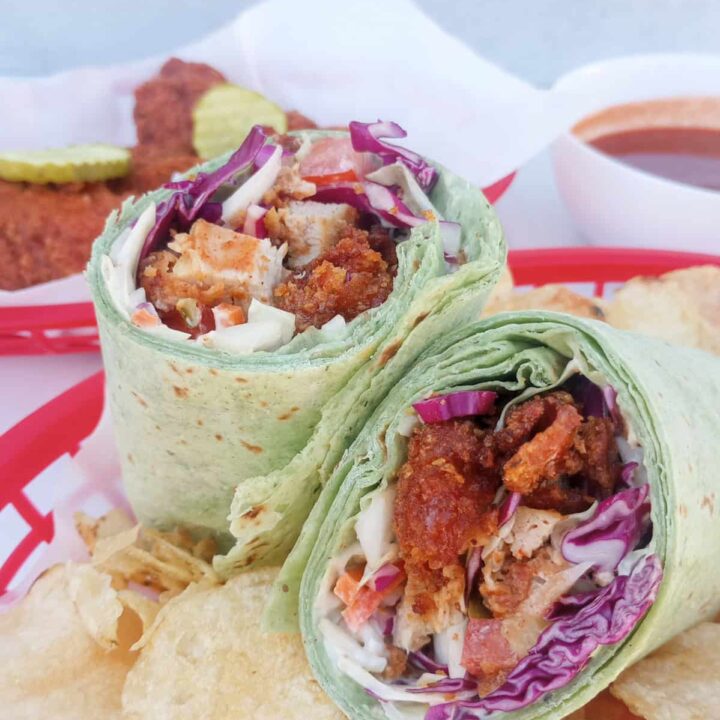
(372, 198)
(192, 201)
(458, 404)
(448, 685)
(180, 184)
(612, 532)
(508, 507)
(590, 396)
(366, 137)
(386, 201)
(384, 577)
(422, 661)
(610, 397)
(255, 221)
(565, 647)
(627, 473)
(384, 621)
(570, 604)
(265, 153)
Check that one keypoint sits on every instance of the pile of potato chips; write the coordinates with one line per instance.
(681, 307)
(144, 631)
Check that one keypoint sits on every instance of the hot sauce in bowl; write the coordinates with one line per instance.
(675, 139)
(638, 169)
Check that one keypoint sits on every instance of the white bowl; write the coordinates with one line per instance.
(614, 204)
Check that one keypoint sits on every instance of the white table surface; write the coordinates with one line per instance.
(538, 41)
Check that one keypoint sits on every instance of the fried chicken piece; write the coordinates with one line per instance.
(524, 420)
(164, 105)
(596, 441)
(544, 458)
(309, 228)
(443, 506)
(560, 494)
(432, 601)
(397, 663)
(298, 121)
(164, 289)
(151, 168)
(289, 186)
(512, 585)
(560, 461)
(46, 231)
(380, 241)
(211, 265)
(346, 280)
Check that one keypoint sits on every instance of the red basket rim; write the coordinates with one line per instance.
(606, 264)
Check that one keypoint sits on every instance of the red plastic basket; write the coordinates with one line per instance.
(71, 328)
(48, 329)
(61, 425)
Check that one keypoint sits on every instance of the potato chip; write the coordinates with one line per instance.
(207, 658)
(682, 307)
(680, 681)
(548, 297)
(96, 602)
(92, 529)
(503, 289)
(55, 664)
(604, 707)
(164, 562)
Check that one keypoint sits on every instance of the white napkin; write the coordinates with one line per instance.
(333, 61)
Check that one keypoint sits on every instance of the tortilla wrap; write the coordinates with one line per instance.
(669, 397)
(196, 426)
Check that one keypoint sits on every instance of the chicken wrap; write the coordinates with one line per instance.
(236, 301)
(526, 515)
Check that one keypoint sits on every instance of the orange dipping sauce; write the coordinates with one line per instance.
(677, 139)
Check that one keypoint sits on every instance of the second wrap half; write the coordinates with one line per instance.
(637, 567)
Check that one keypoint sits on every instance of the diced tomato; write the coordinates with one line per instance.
(173, 319)
(332, 178)
(348, 584)
(485, 650)
(144, 318)
(227, 315)
(606, 707)
(332, 160)
(363, 601)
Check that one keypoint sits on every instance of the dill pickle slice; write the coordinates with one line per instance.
(77, 163)
(226, 113)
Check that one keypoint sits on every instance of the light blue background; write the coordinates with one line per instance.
(537, 39)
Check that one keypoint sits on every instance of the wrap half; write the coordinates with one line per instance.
(213, 391)
(533, 509)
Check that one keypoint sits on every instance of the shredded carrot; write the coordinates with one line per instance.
(363, 601)
(348, 584)
(144, 318)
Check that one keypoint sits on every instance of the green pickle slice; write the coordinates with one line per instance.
(77, 163)
(226, 113)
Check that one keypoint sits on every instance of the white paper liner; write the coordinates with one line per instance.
(335, 62)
